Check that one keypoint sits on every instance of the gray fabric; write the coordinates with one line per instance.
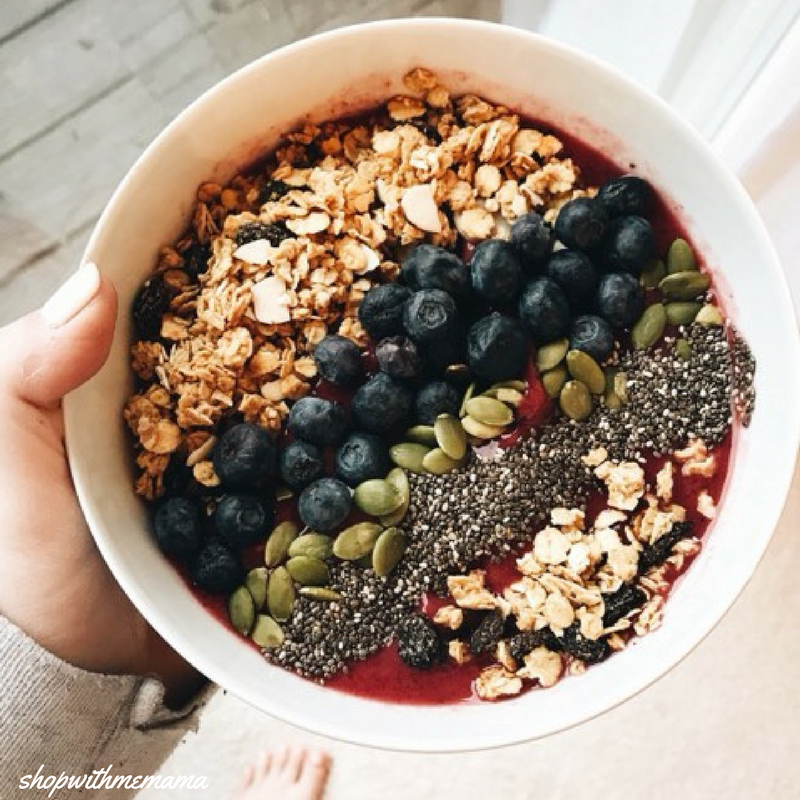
(66, 720)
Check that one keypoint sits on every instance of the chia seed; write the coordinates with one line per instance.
(494, 504)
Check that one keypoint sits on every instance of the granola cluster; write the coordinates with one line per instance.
(282, 256)
(566, 579)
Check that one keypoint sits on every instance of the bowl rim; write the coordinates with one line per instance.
(305, 719)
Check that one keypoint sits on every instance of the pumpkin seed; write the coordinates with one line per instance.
(308, 571)
(388, 552)
(650, 327)
(551, 355)
(399, 480)
(422, 434)
(710, 316)
(576, 400)
(510, 397)
(256, 583)
(457, 370)
(621, 386)
(489, 411)
(409, 455)
(520, 386)
(684, 285)
(611, 400)
(280, 594)
(241, 610)
(438, 462)
(376, 497)
(450, 436)
(683, 350)
(584, 368)
(277, 547)
(267, 633)
(682, 313)
(653, 273)
(356, 541)
(467, 395)
(681, 257)
(554, 380)
(315, 545)
(320, 593)
(479, 430)
(283, 493)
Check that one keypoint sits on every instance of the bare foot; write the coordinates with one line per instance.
(291, 773)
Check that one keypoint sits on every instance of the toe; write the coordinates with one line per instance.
(294, 764)
(247, 779)
(314, 775)
(265, 767)
(279, 759)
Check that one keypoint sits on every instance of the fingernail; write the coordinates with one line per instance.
(72, 296)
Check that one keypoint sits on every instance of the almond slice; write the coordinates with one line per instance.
(420, 208)
(373, 260)
(257, 252)
(270, 301)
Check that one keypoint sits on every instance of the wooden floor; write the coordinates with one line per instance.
(85, 85)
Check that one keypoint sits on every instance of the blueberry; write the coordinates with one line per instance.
(381, 310)
(362, 456)
(274, 233)
(497, 348)
(318, 421)
(434, 398)
(398, 356)
(176, 525)
(593, 335)
(381, 403)
(429, 314)
(532, 238)
(627, 194)
(325, 504)
(496, 272)
(418, 642)
(581, 223)
(629, 245)
(242, 519)
(544, 310)
(195, 259)
(244, 456)
(149, 306)
(429, 267)
(574, 272)
(216, 569)
(620, 299)
(300, 464)
(338, 360)
(272, 191)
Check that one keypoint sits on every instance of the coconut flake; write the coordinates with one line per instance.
(373, 259)
(270, 301)
(420, 208)
(257, 252)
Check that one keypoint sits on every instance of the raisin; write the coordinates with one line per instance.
(592, 651)
(428, 130)
(525, 642)
(620, 603)
(488, 633)
(419, 643)
(195, 260)
(149, 306)
(272, 191)
(274, 233)
(658, 552)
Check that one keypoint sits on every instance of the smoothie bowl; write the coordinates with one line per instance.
(430, 384)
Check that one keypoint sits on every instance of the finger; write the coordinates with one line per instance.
(294, 764)
(314, 775)
(57, 348)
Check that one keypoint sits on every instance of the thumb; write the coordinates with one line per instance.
(53, 350)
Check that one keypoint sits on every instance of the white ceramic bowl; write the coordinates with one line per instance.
(357, 67)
